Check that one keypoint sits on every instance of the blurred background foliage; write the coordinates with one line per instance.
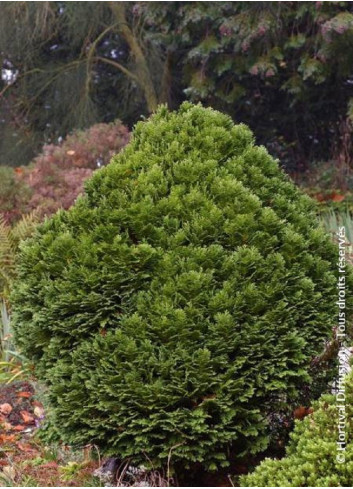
(284, 68)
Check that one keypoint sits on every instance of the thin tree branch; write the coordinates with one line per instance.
(120, 67)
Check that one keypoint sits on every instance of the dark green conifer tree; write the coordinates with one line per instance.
(181, 300)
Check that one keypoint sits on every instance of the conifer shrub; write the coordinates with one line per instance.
(181, 299)
(312, 458)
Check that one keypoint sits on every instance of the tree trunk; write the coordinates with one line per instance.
(165, 97)
(142, 71)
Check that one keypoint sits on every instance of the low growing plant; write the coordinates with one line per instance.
(12, 364)
(332, 221)
(181, 300)
(312, 458)
(14, 195)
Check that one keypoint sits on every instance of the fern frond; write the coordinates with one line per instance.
(25, 227)
(6, 244)
(10, 238)
(7, 251)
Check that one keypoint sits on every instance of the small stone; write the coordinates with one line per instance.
(5, 408)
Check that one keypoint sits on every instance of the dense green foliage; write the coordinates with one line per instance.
(311, 459)
(119, 59)
(181, 299)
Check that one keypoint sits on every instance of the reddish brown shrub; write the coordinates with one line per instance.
(56, 177)
(90, 148)
(14, 194)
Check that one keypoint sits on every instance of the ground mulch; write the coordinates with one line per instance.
(17, 408)
(23, 458)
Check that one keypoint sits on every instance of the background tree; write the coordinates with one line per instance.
(284, 68)
(92, 53)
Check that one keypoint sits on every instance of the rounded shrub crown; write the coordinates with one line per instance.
(181, 299)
